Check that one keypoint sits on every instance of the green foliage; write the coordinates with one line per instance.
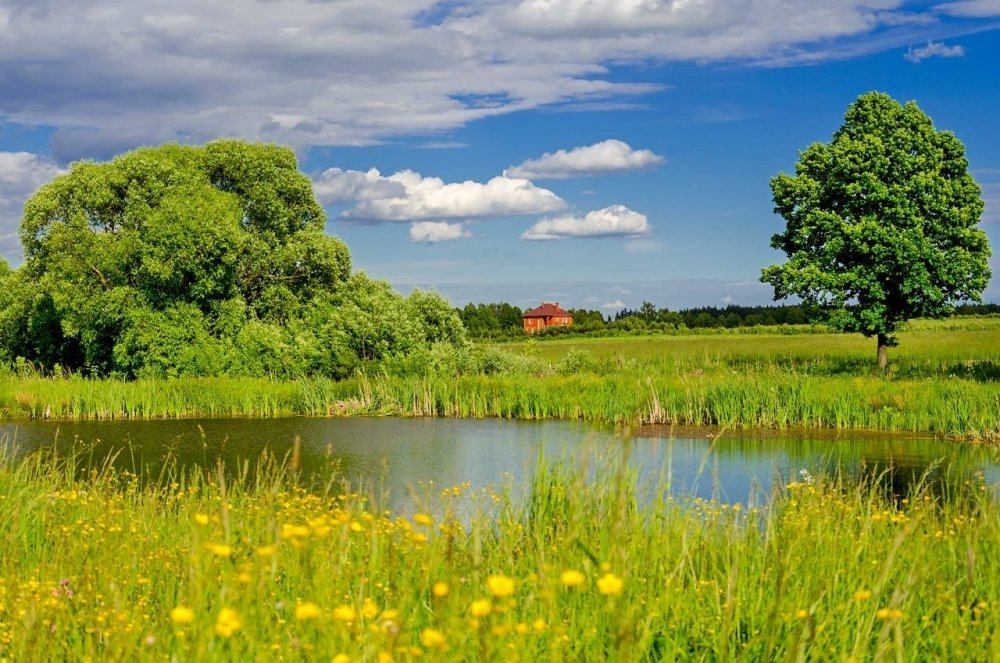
(374, 319)
(576, 361)
(439, 322)
(193, 261)
(881, 222)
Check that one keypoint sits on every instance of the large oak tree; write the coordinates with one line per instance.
(882, 223)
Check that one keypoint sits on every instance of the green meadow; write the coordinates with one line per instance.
(213, 566)
(942, 379)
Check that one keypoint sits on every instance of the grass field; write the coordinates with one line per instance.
(944, 378)
(198, 568)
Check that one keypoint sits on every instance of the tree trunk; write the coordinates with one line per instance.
(883, 352)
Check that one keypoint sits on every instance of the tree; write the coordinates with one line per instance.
(647, 311)
(881, 223)
(135, 263)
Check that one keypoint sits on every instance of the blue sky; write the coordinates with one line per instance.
(598, 153)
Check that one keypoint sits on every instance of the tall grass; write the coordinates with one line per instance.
(946, 382)
(201, 567)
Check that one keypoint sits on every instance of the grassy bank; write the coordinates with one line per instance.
(197, 569)
(945, 379)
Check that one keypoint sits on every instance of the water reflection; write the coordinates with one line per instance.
(397, 454)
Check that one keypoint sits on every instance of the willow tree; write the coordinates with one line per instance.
(164, 249)
(882, 223)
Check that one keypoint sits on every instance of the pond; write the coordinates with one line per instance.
(400, 455)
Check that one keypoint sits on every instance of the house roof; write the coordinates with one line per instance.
(545, 311)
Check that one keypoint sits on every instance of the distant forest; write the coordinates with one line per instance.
(503, 320)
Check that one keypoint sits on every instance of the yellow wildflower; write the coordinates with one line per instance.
(572, 578)
(480, 608)
(862, 595)
(885, 614)
(307, 610)
(219, 549)
(369, 610)
(430, 637)
(182, 615)
(345, 613)
(440, 589)
(609, 584)
(423, 519)
(201, 518)
(341, 658)
(500, 586)
(227, 623)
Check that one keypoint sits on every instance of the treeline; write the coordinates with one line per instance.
(202, 261)
(503, 320)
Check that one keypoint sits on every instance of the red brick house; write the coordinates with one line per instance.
(546, 315)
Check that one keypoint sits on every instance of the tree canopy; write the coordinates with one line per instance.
(181, 260)
(881, 223)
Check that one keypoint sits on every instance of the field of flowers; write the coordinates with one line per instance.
(249, 565)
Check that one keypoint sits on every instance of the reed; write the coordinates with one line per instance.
(942, 381)
(247, 565)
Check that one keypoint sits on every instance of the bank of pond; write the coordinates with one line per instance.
(960, 408)
(364, 539)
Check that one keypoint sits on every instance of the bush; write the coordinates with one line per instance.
(576, 361)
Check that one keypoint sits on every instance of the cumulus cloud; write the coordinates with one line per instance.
(616, 305)
(21, 173)
(408, 196)
(614, 221)
(609, 156)
(341, 186)
(431, 232)
(111, 74)
(933, 49)
(972, 8)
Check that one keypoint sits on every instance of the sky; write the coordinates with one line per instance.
(597, 153)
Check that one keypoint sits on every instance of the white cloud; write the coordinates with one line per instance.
(614, 221)
(112, 74)
(609, 156)
(339, 186)
(933, 49)
(695, 30)
(21, 173)
(408, 196)
(437, 231)
(972, 8)
(616, 305)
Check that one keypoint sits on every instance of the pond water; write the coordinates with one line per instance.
(399, 455)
